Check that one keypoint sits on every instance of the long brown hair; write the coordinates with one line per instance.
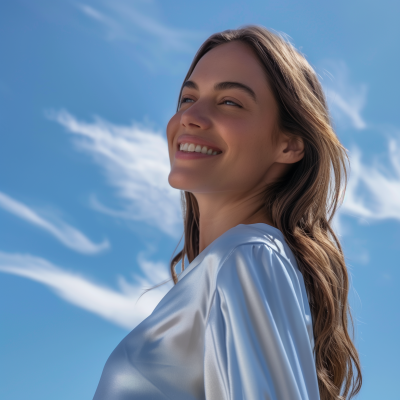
(301, 204)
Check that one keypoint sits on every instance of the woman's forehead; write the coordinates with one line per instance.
(229, 61)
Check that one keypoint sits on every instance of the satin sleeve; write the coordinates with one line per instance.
(257, 336)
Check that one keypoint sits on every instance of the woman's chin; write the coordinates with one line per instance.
(183, 182)
(178, 182)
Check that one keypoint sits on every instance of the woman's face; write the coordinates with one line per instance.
(227, 109)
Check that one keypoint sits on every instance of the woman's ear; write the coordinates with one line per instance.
(290, 149)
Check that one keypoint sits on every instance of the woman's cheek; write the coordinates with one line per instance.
(172, 127)
(172, 130)
(236, 129)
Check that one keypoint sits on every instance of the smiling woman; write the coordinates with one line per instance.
(261, 310)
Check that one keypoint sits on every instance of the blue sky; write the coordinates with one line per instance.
(86, 214)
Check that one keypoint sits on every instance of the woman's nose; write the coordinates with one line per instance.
(196, 116)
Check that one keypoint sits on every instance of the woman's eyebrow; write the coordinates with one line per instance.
(224, 86)
(236, 85)
(191, 85)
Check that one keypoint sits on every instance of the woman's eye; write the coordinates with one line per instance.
(186, 100)
(227, 102)
(231, 103)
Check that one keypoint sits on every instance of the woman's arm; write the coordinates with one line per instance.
(257, 345)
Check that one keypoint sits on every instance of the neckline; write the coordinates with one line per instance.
(259, 225)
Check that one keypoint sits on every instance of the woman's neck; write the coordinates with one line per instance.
(220, 213)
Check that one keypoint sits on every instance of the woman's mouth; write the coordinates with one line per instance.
(196, 148)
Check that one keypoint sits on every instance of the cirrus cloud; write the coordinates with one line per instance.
(374, 190)
(346, 100)
(120, 307)
(66, 234)
(136, 162)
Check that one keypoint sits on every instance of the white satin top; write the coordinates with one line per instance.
(237, 325)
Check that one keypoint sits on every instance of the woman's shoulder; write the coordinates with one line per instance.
(268, 262)
(247, 238)
(232, 241)
(260, 251)
(265, 268)
(240, 239)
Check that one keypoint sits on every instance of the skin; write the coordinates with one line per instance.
(229, 186)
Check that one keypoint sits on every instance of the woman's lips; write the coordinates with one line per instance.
(185, 155)
(190, 151)
(196, 141)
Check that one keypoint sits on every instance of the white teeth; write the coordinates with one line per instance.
(197, 148)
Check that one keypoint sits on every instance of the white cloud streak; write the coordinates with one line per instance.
(346, 100)
(136, 163)
(66, 234)
(124, 21)
(374, 190)
(350, 106)
(119, 307)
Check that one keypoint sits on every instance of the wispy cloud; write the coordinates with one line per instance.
(136, 163)
(374, 190)
(124, 21)
(66, 234)
(117, 306)
(114, 31)
(346, 100)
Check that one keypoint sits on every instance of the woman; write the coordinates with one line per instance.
(261, 311)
